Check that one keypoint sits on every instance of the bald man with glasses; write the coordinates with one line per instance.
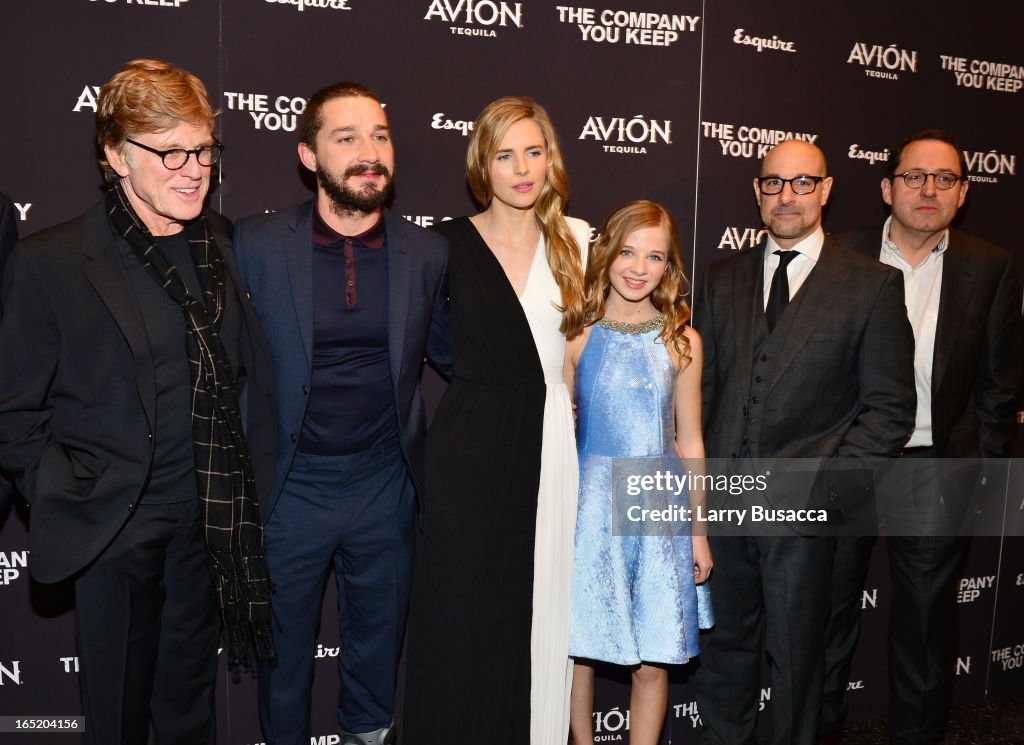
(807, 355)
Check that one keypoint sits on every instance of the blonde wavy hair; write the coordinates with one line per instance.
(563, 253)
(669, 297)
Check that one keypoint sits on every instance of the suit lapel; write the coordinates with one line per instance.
(299, 258)
(957, 283)
(747, 305)
(399, 279)
(105, 271)
(812, 303)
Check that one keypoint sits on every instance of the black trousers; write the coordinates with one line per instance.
(921, 502)
(147, 630)
(923, 632)
(770, 595)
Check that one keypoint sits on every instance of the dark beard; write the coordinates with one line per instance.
(345, 201)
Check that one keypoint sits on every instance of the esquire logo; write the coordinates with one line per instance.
(627, 26)
(745, 141)
(984, 75)
(861, 153)
(987, 167)
(475, 17)
(761, 43)
(627, 135)
(301, 5)
(462, 126)
(882, 62)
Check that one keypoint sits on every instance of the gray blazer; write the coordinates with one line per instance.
(842, 383)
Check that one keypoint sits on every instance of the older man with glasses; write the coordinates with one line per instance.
(964, 303)
(125, 341)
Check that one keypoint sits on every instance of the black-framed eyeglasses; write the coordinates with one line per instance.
(799, 184)
(176, 158)
(917, 179)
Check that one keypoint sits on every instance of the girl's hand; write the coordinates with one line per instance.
(702, 562)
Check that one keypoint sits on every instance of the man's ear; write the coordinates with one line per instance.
(307, 156)
(116, 159)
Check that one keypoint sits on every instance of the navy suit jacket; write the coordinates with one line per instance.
(79, 394)
(275, 258)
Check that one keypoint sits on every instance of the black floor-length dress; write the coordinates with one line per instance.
(469, 667)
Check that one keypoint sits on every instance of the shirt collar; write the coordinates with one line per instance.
(892, 248)
(325, 236)
(809, 246)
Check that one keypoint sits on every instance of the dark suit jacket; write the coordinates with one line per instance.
(77, 410)
(8, 231)
(275, 258)
(8, 237)
(976, 367)
(843, 384)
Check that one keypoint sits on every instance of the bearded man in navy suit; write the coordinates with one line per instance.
(351, 297)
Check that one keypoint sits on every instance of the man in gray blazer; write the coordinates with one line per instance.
(810, 360)
(964, 302)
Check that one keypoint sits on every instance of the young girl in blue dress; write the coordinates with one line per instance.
(635, 372)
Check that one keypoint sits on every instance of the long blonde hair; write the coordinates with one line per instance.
(563, 253)
(669, 297)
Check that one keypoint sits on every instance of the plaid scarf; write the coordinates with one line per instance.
(224, 473)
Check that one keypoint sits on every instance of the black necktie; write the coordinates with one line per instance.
(778, 295)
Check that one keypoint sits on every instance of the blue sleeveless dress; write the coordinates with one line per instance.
(633, 596)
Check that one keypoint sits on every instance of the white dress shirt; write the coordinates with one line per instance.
(923, 286)
(809, 249)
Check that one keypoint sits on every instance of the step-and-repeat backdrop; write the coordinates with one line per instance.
(672, 100)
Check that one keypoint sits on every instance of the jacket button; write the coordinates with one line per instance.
(758, 379)
(295, 437)
(149, 435)
(305, 389)
(764, 358)
(755, 400)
